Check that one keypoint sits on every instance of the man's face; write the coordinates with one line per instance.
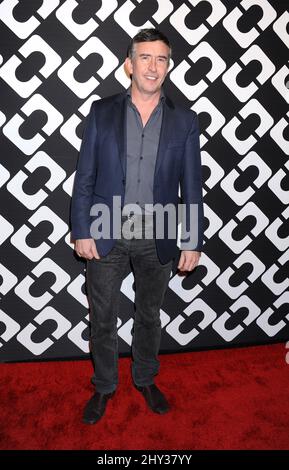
(149, 66)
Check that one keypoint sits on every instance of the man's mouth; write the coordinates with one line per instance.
(150, 77)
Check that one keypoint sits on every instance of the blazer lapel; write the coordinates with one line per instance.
(166, 132)
(119, 121)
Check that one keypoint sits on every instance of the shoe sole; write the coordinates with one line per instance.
(84, 421)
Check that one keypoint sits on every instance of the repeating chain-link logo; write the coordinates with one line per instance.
(230, 65)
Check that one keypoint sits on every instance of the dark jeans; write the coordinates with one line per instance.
(104, 278)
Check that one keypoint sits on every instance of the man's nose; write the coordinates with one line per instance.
(153, 64)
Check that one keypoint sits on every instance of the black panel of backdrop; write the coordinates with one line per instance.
(230, 65)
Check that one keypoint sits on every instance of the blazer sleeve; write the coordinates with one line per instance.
(192, 212)
(84, 180)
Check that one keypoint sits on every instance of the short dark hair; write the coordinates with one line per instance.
(148, 35)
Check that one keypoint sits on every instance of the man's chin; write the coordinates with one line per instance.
(152, 89)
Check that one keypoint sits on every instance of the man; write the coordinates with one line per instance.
(139, 147)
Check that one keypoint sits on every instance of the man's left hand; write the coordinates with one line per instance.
(188, 260)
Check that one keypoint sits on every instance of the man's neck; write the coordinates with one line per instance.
(144, 100)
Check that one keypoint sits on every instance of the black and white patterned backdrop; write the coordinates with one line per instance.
(230, 64)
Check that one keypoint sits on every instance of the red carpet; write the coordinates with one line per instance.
(225, 399)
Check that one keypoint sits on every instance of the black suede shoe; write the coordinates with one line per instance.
(95, 407)
(154, 398)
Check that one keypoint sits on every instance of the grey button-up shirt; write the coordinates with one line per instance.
(142, 147)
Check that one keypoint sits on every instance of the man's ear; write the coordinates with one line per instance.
(128, 66)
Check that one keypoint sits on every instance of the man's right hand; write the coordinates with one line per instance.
(85, 248)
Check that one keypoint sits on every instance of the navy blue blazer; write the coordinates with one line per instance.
(101, 169)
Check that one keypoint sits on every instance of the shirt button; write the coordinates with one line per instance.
(137, 202)
(138, 180)
(141, 158)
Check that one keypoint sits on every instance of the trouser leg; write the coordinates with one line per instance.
(151, 281)
(104, 278)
